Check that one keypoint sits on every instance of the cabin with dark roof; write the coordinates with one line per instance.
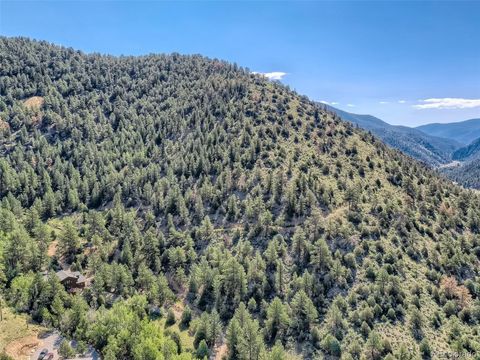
(72, 280)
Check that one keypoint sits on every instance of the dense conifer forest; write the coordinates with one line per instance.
(197, 197)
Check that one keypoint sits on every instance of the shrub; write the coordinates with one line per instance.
(65, 350)
(4, 356)
(202, 350)
(176, 338)
(170, 318)
(331, 345)
(391, 314)
(186, 316)
(252, 305)
(450, 308)
(81, 347)
(316, 337)
(365, 328)
(425, 349)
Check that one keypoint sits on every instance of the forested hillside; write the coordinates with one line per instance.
(469, 152)
(467, 173)
(466, 170)
(209, 206)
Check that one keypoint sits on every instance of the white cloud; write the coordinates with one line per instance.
(350, 105)
(388, 102)
(448, 103)
(329, 103)
(274, 75)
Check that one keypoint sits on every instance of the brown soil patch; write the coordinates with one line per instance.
(52, 248)
(35, 102)
(4, 125)
(221, 351)
(22, 348)
(177, 309)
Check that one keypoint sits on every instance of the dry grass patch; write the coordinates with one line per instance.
(4, 125)
(34, 102)
(18, 337)
(185, 337)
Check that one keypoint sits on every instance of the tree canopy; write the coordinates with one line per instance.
(182, 182)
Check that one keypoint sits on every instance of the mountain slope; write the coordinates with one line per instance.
(467, 170)
(467, 174)
(248, 214)
(468, 152)
(431, 150)
(464, 131)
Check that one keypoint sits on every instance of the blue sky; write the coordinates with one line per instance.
(382, 58)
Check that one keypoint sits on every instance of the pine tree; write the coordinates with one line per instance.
(233, 339)
(251, 345)
(69, 241)
(202, 350)
(304, 312)
(277, 321)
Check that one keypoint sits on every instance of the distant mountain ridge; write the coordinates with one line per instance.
(464, 131)
(433, 144)
(429, 149)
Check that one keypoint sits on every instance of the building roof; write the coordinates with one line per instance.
(65, 274)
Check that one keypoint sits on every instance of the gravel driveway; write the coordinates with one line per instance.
(51, 341)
